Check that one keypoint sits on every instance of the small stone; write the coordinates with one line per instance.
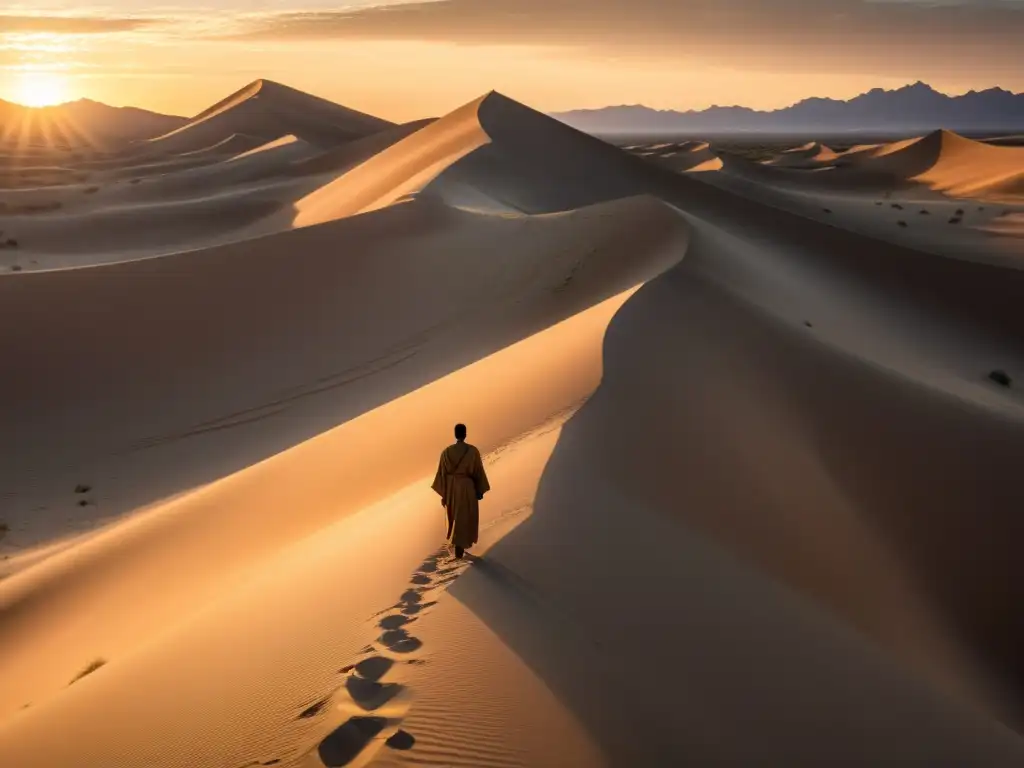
(1001, 378)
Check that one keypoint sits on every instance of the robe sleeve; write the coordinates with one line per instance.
(480, 477)
(440, 479)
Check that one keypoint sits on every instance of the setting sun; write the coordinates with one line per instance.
(41, 89)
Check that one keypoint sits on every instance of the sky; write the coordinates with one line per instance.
(405, 60)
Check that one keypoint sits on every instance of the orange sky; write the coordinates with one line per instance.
(425, 58)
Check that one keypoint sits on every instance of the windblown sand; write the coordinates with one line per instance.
(756, 497)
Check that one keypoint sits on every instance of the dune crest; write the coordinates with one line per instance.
(809, 155)
(402, 169)
(268, 110)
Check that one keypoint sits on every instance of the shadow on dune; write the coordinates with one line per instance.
(840, 176)
(940, 166)
(748, 546)
(537, 165)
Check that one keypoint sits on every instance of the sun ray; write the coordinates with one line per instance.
(40, 88)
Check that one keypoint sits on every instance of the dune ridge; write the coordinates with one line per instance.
(941, 162)
(268, 110)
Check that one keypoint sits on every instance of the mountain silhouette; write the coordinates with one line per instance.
(81, 123)
(913, 108)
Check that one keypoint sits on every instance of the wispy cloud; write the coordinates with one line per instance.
(827, 30)
(74, 25)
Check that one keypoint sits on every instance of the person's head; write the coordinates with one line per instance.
(460, 432)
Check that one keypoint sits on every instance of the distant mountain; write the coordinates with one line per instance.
(261, 111)
(913, 108)
(80, 124)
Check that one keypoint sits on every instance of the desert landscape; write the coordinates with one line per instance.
(752, 417)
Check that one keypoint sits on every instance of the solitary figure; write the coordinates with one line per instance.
(461, 483)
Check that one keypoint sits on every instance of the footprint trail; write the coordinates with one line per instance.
(368, 708)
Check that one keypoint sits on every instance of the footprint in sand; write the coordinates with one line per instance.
(275, 761)
(359, 735)
(374, 668)
(401, 740)
(395, 621)
(364, 688)
(314, 709)
(410, 596)
(399, 641)
(346, 742)
(371, 695)
(415, 608)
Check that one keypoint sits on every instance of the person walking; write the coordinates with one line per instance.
(461, 483)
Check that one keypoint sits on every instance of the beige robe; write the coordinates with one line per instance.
(460, 482)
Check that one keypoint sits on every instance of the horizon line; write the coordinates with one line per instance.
(679, 110)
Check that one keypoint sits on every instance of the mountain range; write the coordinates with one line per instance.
(914, 108)
(259, 112)
(81, 123)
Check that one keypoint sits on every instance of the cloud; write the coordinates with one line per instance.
(851, 33)
(80, 25)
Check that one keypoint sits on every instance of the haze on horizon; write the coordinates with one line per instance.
(404, 60)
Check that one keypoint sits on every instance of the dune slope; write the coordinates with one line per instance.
(268, 110)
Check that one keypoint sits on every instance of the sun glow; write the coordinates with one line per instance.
(41, 89)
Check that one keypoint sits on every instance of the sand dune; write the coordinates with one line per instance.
(268, 110)
(291, 146)
(355, 152)
(859, 149)
(687, 156)
(1007, 141)
(940, 162)
(234, 144)
(568, 273)
(187, 202)
(944, 162)
(754, 490)
(262, 166)
(147, 227)
(163, 286)
(402, 169)
(956, 201)
(810, 155)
